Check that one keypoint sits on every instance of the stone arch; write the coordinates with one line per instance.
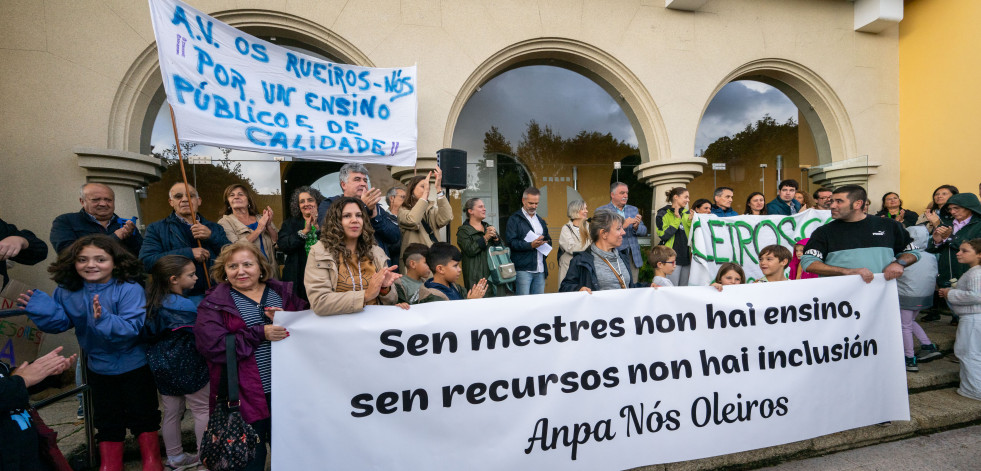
(830, 125)
(601, 67)
(141, 89)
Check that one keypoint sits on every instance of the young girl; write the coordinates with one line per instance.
(729, 274)
(965, 300)
(99, 296)
(796, 272)
(180, 371)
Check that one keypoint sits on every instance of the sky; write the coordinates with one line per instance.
(565, 100)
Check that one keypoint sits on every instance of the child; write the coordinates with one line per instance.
(99, 296)
(796, 272)
(965, 300)
(416, 273)
(773, 262)
(729, 274)
(180, 371)
(916, 287)
(663, 259)
(444, 261)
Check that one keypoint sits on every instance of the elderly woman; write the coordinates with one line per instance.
(574, 236)
(473, 237)
(892, 208)
(964, 225)
(600, 267)
(242, 220)
(346, 271)
(299, 234)
(423, 215)
(243, 304)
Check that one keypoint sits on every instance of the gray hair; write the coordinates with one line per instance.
(81, 189)
(391, 194)
(574, 207)
(615, 185)
(530, 191)
(603, 220)
(719, 190)
(348, 169)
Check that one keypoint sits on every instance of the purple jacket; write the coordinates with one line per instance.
(217, 317)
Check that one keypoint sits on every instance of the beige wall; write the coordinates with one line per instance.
(71, 71)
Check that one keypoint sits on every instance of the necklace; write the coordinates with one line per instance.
(351, 274)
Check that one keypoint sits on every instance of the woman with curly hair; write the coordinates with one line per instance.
(299, 233)
(345, 270)
(100, 297)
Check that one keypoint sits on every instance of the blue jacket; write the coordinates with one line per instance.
(112, 342)
(777, 206)
(522, 255)
(723, 212)
(70, 227)
(387, 232)
(172, 236)
(630, 248)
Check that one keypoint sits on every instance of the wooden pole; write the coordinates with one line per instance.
(187, 192)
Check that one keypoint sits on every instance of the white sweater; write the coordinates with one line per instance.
(966, 298)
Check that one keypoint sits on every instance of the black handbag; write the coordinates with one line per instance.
(229, 443)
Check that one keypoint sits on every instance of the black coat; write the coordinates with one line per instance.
(70, 227)
(294, 246)
(523, 256)
(35, 252)
(19, 446)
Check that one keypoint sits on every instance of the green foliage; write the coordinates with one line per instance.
(763, 138)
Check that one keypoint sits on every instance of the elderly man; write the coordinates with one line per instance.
(822, 198)
(354, 183)
(784, 203)
(633, 225)
(723, 202)
(178, 234)
(529, 263)
(395, 197)
(97, 216)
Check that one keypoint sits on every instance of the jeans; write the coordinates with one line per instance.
(527, 282)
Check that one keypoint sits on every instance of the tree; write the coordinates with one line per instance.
(495, 142)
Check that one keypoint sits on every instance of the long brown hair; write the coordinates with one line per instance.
(410, 198)
(159, 286)
(125, 267)
(332, 233)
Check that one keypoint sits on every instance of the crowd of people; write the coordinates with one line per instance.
(209, 280)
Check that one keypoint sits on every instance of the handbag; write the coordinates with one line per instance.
(500, 265)
(229, 443)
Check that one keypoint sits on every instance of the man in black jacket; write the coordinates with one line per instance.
(19, 246)
(529, 263)
(97, 216)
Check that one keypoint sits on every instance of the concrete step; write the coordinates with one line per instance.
(937, 374)
(930, 411)
(941, 333)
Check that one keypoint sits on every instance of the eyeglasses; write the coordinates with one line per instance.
(180, 196)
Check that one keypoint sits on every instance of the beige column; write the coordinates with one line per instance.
(424, 164)
(855, 171)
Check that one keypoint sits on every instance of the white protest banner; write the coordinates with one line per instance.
(738, 239)
(607, 381)
(230, 89)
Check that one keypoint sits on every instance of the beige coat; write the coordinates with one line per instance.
(235, 230)
(320, 279)
(438, 214)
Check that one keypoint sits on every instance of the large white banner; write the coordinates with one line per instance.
(738, 239)
(234, 90)
(607, 381)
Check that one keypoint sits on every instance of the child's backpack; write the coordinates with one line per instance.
(500, 265)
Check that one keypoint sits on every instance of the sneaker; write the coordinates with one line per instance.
(928, 353)
(933, 316)
(182, 461)
(80, 414)
(911, 364)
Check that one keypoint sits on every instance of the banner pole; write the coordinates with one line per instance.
(194, 216)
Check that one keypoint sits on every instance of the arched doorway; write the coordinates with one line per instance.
(799, 127)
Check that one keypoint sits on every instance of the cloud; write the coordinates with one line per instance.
(738, 104)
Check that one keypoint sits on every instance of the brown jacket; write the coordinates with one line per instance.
(320, 279)
(235, 230)
(438, 215)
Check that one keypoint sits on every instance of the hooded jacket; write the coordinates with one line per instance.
(674, 231)
(948, 266)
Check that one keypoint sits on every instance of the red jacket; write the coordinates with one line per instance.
(217, 317)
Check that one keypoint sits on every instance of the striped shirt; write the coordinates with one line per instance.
(252, 313)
